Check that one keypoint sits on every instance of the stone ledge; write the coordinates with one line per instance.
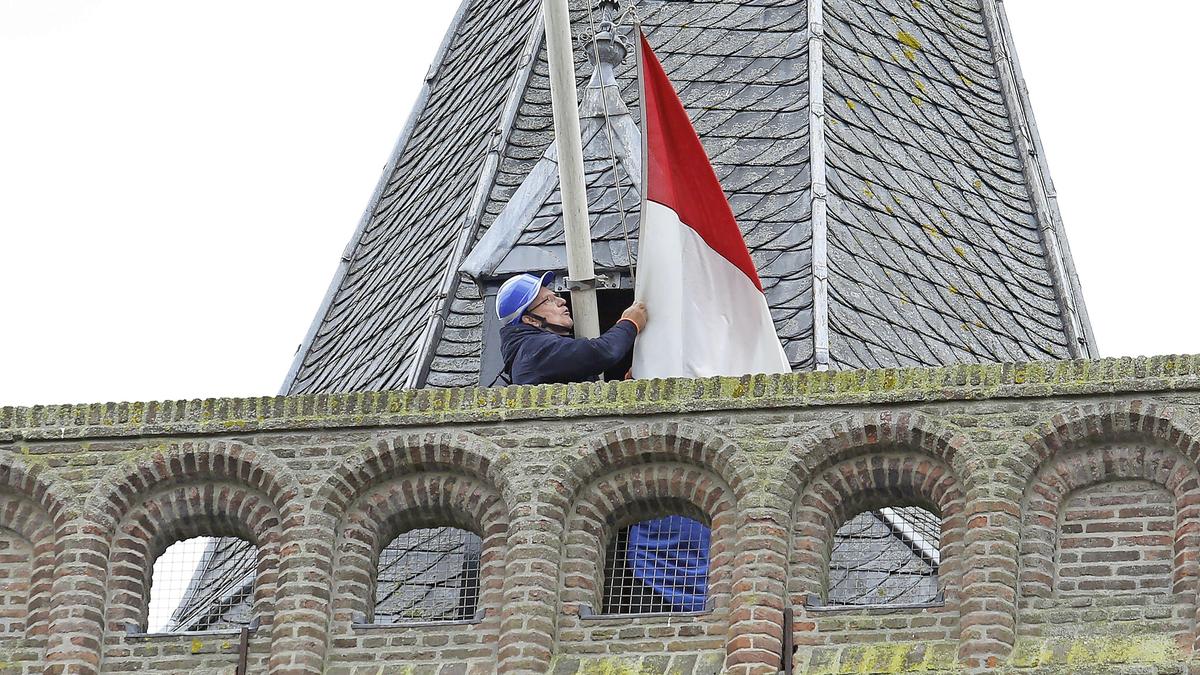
(639, 397)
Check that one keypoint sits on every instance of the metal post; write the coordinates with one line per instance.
(569, 141)
(789, 625)
(243, 651)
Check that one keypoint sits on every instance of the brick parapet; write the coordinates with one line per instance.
(422, 407)
(546, 474)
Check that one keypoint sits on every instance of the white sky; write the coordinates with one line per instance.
(178, 179)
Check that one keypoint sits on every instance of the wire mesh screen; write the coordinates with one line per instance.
(429, 575)
(886, 557)
(658, 565)
(203, 584)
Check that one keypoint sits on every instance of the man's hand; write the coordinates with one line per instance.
(637, 314)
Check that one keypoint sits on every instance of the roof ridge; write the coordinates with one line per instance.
(1081, 340)
(819, 196)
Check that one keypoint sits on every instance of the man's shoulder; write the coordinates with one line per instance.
(525, 334)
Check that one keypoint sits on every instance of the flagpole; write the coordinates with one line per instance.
(641, 81)
(569, 143)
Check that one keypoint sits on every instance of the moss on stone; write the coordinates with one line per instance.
(615, 666)
(1091, 652)
(434, 406)
(892, 657)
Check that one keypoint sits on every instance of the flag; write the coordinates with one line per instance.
(707, 312)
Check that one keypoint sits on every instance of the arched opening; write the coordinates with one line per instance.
(428, 574)
(886, 556)
(203, 584)
(657, 565)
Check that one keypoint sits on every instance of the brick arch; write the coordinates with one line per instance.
(30, 521)
(454, 452)
(857, 484)
(181, 512)
(872, 432)
(50, 493)
(1074, 470)
(413, 501)
(691, 444)
(185, 462)
(627, 495)
(1109, 421)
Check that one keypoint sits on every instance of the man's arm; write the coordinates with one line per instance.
(564, 359)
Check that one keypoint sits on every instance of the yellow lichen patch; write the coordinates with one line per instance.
(937, 187)
(890, 211)
(908, 39)
(978, 183)
(868, 192)
(932, 230)
(966, 80)
(910, 54)
(959, 250)
(851, 104)
(954, 289)
(613, 666)
(916, 4)
(920, 85)
(917, 100)
(197, 645)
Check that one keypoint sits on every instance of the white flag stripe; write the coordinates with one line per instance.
(707, 318)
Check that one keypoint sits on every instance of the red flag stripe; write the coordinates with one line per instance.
(679, 174)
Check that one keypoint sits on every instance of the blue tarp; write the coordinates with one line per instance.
(670, 555)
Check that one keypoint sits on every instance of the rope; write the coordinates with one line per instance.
(612, 146)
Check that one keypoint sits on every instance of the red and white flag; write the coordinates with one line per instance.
(708, 315)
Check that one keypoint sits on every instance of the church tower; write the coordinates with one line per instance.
(881, 158)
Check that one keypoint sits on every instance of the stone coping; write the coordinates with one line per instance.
(418, 407)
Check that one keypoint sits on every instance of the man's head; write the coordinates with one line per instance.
(549, 311)
(526, 299)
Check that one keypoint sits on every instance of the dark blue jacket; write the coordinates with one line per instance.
(535, 356)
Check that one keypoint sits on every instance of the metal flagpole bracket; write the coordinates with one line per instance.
(599, 282)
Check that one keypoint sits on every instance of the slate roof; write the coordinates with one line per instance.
(936, 220)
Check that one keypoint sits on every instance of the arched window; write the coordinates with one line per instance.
(428, 574)
(203, 584)
(657, 565)
(887, 556)
(16, 572)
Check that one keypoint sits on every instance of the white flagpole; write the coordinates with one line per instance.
(641, 81)
(567, 137)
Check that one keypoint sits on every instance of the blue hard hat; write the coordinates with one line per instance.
(517, 294)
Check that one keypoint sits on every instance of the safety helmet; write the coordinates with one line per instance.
(517, 294)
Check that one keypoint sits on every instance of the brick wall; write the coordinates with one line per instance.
(1116, 538)
(16, 571)
(1068, 496)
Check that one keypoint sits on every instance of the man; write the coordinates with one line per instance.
(536, 342)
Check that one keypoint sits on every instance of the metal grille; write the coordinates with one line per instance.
(429, 575)
(203, 584)
(886, 557)
(658, 565)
